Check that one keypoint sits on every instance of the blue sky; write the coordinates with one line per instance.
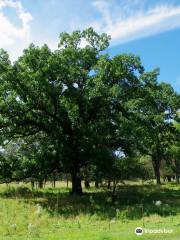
(148, 28)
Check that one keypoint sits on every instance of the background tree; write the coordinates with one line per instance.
(174, 150)
(156, 112)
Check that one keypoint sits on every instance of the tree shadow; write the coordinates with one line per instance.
(129, 202)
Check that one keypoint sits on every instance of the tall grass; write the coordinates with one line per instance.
(55, 214)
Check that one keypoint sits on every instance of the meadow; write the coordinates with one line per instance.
(79, 112)
(54, 214)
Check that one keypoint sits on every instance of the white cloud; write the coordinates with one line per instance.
(124, 20)
(103, 8)
(12, 35)
(133, 23)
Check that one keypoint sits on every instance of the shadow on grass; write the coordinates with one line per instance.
(130, 202)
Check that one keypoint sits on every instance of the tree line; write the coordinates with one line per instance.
(79, 111)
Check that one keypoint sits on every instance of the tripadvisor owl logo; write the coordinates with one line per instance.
(138, 231)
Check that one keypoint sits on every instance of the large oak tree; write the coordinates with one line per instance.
(77, 97)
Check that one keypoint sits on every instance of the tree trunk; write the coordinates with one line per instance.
(87, 183)
(40, 184)
(156, 166)
(169, 178)
(32, 184)
(109, 184)
(76, 179)
(114, 187)
(67, 181)
(96, 184)
(54, 182)
(86, 178)
(177, 178)
(44, 183)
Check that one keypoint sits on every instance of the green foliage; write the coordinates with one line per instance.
(74, 107)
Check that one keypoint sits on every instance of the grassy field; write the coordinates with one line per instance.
(55, 214)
